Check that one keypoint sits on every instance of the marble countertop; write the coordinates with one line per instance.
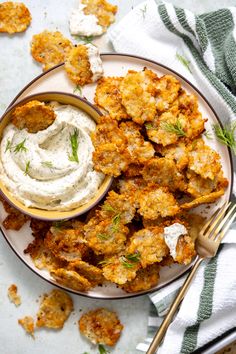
(17, 68)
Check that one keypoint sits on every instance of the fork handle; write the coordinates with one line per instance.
(163, 328)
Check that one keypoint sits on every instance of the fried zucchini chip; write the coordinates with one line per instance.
(110, 159)
(168, 88)
(198, 186)
(33, 116)
(118, 269)
(149, 244)
(101, 326)
(66, 244)
(15, 220)
(204, 161)
(118, 207)
(137, 92)
(132, 187)
(107, 131)
(205, 199)
(27, 323)
(107, 236)
(145, 279)
(185, 250)
(157, 201)
(140, 150)
(90, 272)
(177, 152)
(108, 97)
(14, 17)
(54, 310)
(13, 295)
(39, 227)
(103, 10)
(163, 171)
(50, 48)
(71, 279)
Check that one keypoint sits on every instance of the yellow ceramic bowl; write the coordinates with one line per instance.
(63, 98)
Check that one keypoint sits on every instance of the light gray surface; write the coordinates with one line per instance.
(17, 68)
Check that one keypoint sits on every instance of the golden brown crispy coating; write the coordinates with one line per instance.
(14, 17)
(77, 65)
(205, 199)
(13, 295)
(33, 116)
(107, 236)
(145, 279)
(54, 310)
(137, 92)
(110, 159)
(50, 48)
(118, 269)
(90, 272)
(178, 152)
(167, 88)
(132, 187)
(108, 97)
(66, 244)
(27, 323)
(118, 207)
(157, 201)
(185, 250)
(71, 279)
(198, 186)
(101, 326)
(103, 10)
(15, 220)
(140, 150)
(163, 171)
(150, 244)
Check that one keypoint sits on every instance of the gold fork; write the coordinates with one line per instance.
(207, 245)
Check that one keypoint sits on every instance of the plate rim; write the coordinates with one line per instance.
(145, 292)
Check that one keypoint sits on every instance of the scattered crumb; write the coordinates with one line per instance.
(13, 296)
(28, 324)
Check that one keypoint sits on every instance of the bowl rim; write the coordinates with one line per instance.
(107, 179)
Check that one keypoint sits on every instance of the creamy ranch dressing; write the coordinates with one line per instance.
(95, 61)
(171, 235)
(82, 24)
(52, 181)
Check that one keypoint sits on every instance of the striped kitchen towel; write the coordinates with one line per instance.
(202, 49)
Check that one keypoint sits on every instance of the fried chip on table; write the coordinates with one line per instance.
(145, 279)
(54, 310)
(13, 295)
(14, 17)
(90, 272)
(103, 10)
(108, 97)
(101, 326)
(50, 48)
(27, 323)
(150, 244)
(33, 116)
(71, 279)
(77, 65)
(137, 92)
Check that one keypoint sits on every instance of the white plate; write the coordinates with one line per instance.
(115, 65)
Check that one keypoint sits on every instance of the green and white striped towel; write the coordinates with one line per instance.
(158, 30)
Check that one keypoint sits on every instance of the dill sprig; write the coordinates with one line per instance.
(108, 207)
(85, 39)
(104, 236)
(175, 128)
(78, 89)
(116, 222)
(183, 61)
(27, 167)
(59, 224)
(9, 145)
(104, 262)
(208, 135)
(226, 135)
(102, 350)
(74, 146)
(125, 262)
(47, 164)
(144, 11)
(134, 257)
(20, 147)
(149, 126)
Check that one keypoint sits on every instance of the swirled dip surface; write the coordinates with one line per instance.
(39, 169)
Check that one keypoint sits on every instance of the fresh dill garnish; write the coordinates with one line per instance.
(27, 166)
(85, 39)
(9, 145)
(59, 224)
(125, 262)
(226, 135)
(103, 262)
(108, 207)
(149, 126)
(135, 257)
(175, 128)
(116, 222)
(74, 146)
(208, 135)
(20, 147)
(103, 236)
(47, 164)
(183, 61)
(144, 10)
(78, 89)
(102, 350)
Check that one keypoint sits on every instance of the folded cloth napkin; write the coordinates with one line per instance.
(203, 49)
